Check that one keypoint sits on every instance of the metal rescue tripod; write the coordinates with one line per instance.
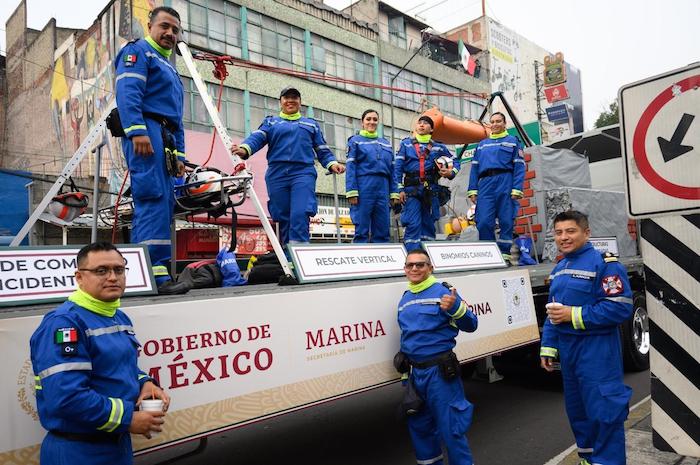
(238, 163)
(95, 133)
(523, 135)
(240, 171)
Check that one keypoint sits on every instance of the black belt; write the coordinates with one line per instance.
(165, 122)
(90, 437)
(493, 172)
(433, 361)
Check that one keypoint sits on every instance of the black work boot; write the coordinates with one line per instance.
(173, 288)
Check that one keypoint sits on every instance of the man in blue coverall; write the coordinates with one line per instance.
(150, 102)
(430, 316)
(88, 384)
(589, 297)
(294, 142)
(416, 175)
(496, 179)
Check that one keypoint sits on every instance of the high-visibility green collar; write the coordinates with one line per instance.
(163, 51)
(291, 117)
(420, 287)
(499, 135)
(423, 138)
(369, 135)
(87, 301)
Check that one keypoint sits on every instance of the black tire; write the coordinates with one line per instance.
(467, 370)
(635, 336)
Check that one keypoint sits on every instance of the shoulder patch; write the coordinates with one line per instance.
(612, 285)
(66, 335)
(129, 59)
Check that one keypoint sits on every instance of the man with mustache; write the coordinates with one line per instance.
(150, 103)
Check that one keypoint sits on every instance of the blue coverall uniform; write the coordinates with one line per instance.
(291, 176)
(422, 208)
(497, 173)
(87, 386)
(148, 87)
(426, 332)
(370, 177)
(590, 351)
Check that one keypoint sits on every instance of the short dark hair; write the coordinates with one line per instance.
(499, 113)
(164, 9)
(419, 252)
(102, 246)
(428, 120)
(579, 218)
(367, 112)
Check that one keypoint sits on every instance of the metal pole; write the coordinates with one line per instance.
(97, 130)
(222, 132)
(30, 195)
(337, 207)
(391, 89)
(96, 190)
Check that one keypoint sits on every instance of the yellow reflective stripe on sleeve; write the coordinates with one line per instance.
(577, 318)
(354, 193)
(329, 163)
(470, 193)
(134, 127)
(404, 376)
(394, 195)
(247, 148)
(37, 383)
(159, 270)
(461, 311)
(517, 192)
(115, 415)
(548, 352)
(142, 376)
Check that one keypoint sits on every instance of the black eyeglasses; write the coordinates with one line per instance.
(104, 271)
(418, 265)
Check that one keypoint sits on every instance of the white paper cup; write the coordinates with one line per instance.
(152, 405)
(553, 305)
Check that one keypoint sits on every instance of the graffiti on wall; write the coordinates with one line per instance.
(82, 84)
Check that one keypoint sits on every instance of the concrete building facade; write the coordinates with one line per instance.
(59, 81)
(509, 59)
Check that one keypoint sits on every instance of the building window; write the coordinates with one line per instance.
(337, 60)
(448, 104)
(407, 80)
(211, 24)
(397, 31)
(337, 129)
(275, 43)
(196, 117)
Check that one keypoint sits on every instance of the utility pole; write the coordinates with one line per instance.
(391, 89)
(539, 90)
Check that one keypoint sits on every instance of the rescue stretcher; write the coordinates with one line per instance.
(211, 195)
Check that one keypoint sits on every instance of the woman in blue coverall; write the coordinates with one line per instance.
(294, 142)
(369, 181)
(416, 174)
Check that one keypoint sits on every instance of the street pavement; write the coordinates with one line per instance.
(519, 420)
(640, 450)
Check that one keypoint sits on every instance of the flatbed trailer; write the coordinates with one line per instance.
(230, 357)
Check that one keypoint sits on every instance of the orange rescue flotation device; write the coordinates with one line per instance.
(452, 131)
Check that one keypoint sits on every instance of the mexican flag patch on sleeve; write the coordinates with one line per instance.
(66, 335)
(129, 58)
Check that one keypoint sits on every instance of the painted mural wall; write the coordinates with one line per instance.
(82, 83)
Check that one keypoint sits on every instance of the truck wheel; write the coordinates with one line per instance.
(467, 370)
(635, 336)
